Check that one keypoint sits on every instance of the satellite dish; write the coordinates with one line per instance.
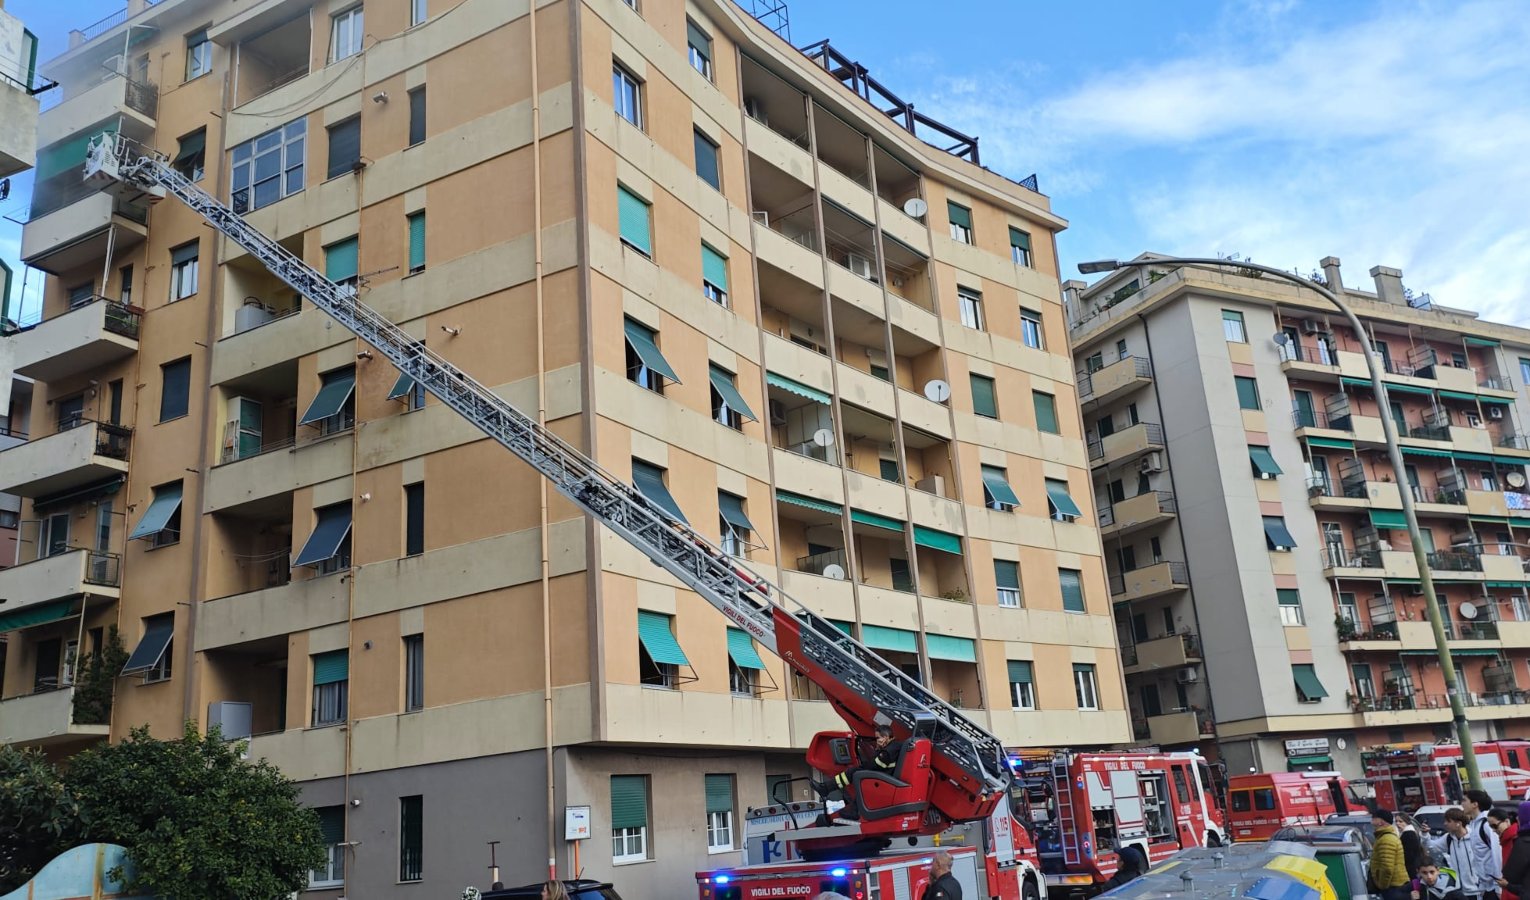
(916, 207)
(1515, 479)
(834, 571)
(823, 437)
(937, 390)
(1468, 610)
(1281, 338)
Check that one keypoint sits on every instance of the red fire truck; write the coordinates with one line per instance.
(1081, 806)
(1407, 776)
(1260, 804)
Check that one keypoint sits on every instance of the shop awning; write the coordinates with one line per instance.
(732, 510)
(722, 383)
(879, 637)
(956, 649)
(1388, 518)
(1330, 443)
(658, 640)
(796, 387)
(807, 502)
(151, 649)
(862, 517)
(649, 480)
(642, 343)
(328, 534)
(741, 649)
(1316, 760)
(167, 500)
(1263, 461)
(331, 397)
(40, 614)
(936, 539)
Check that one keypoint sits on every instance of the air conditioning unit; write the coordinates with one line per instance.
(755, 110)
(232, 718)
(1188, 676)
(114, 66)
(1312, 326)
(1153, 462)
(1495, 412)
(777, 412)
(932, 484)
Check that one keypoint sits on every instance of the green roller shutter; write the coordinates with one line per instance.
(1046, 412)
(341, 260)
(868, 518)
(629, 801)
(714, 267)
(807, 502)
(996, 486)
(1006, 574)
(719, 791)
(959, 215)
(657, 638)
(332, 667)
(984, 401)
(633, 214)
(1263, 461)
(331, 825)
(1020, 672)
(936, 539)
(68, 154)
(1018, 238)
(878, 637)
(741, 650)
(796, 387)
(706, 160)
(1071, 582)
(1307, 683)
(1062, 503)
(416, 241)
(1388, 518)
(956, 649)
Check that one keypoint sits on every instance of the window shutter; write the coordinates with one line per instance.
(629, 801)
(331, 667)
(1020, 671)
(416, 241)
(331, 824)
(706, 161)
(1046, 412)
(175, 393)
(184, 253)
(341, 260)
(1018, 238)
(416, 116)
(984, 402)
(698, 38)
(1072, 589)
(714, 267)
(1006, 574)
(719, 790)
(633, 215)
(344, 146)
(958, 214)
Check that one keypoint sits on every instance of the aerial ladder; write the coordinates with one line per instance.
(951, 769)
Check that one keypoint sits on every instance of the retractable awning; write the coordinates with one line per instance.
(328, 534)
(879, 637)
(649, 480)
(642, 343)
(658, 640)
(956, 649)
(998, 487)
(1388, 518)
(796, 387)
(741, 650)
(936, 539)
(732, 510)
(1307, 683)
(167, 500)
(807, 502)
(1062, 503)
(40, 614)
(1263, 461)
(150, 650)
(863, 517)
(331, 397)
(722, 383)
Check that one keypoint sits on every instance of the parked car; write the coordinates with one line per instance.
(1432, 818)
(1362, 822)
(582, 889)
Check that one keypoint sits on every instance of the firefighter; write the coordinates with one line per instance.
(883, 759)
(943, 885)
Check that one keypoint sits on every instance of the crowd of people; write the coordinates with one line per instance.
(1482, 856)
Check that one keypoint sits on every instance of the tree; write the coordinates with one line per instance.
(98, 679)
(198, 821)
(39, 817)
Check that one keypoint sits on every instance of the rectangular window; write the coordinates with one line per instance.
(175, 389)
(1248, 392)
(714, 276)
(706, 160)
(646, 366)
(629, 818)
(1006, 574)
(698, 46)
(1263, 462)
(328, 547)
(1046, 412)
(719, 798)
(1085, 686)
(417, 11)
(416, 241)
(1030, 328)
(1121, 349)
(971, 304)
(1276, 535)
(1290, 601)
(331, 682)
(1094, 362)
(1020, 247)
(728, 406)
(984, 401)
(1232, 326)
(342, 262)
(345, 34)
(190, 161)
(627, 95)
(183, 271)
(161, 523)
(888, 469)
(414, 518)
(997, 492)
(1060, 502)
(1022, 684)
(152, 657)
(198, 54)
(1071, 582)
(961, 222)
(269, 167)
(411, 838)
(734, 524)
(1524, 371)
(332, 834)
(344, 146)
(417, 114)
(902, 576)
(635, 221)
(334, 406)
(414, 672)
(1308, 688)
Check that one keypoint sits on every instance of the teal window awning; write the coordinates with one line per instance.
(157, 632)
(402, 386)
(192, 144)
(657, 637)
(1276, 535)
(332, 396)
(633, 220)
(329, 533)
(1434, 654)
(1330, 443)
(342, 260)
(1307, 684)
(1388, 518)
(796, 387)
(629, 801)
(879, 637)
(40, 614)
(863, 517)
(1394, 388)
(996, 487)
(722, 383)
(842, 625)
(1425, 451)
(1263, 461)
(1458, 395)
(1481, 342)
(741, 650)
(1062, 504)
(649, 480)
(1474, 457)
(641, 339)
(955, 649)
(1314, 760)
(1021, 671)
(714, 267)
(1357, 383)
(332, 667)
(1495, 401)
(731, 508)
(936, 539)
(807, 502)
(167, 499)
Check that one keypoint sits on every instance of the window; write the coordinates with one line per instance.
(1061, 504)
(175, 389)
(1232, 326)
(888, 469)
(1248, 392)
(183, 271)
(331, 687)
(1072, 583)
(659, 654)
(971, 304)
(1030, 328)
(332, 835)
(345, 34)
(1524, 371)
(417, 113)
(719, 795)
(53, 535)
(1020, 247)
(646, 366)
(984, 402)
(1263, 462)
(1290, 606)
(1276, 535)
(411, 838)
(649, 480)
(344, 147)
(125, 292)
(191, 162)
(328, 548)
(269, 167)
(342, 262)
(714, 276)
(198, 54)
(152, 657)
(414, 672)
(1121, 349)
(1264, 799)
(706, 160)
(735, 526)
(334, 407)
(1094, 362)
(699, 48)
(629, 818)
(627, 94)
(961, 222)
(414, 518)
(1022, 684)
(1046, 412)
(1085, 687)
(417, 11)
(728, 406)
(902, 576)
(161, 524)
(416, 241)
(635, 221)
(1308, 688)
(997, 493)
(1006, 574)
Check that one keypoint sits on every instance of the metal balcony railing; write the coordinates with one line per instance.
(1494, 382)
(120, 318)
(1141, 368)
(103, 569)
(1337, 557)
(817, 562)
(1318, 354)
(1429, 432)
(1179, 573)
(1455, 561)
(1319, 487)
(1317, 418)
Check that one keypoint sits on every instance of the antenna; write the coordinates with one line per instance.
(937, 391)
(823, 437)
(915, 207)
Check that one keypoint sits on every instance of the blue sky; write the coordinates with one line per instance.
(1386, 133)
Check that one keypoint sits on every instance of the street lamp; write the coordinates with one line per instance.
(1394, 454)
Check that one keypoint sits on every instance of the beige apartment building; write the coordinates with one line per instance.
(700, 255)
(1267, 599)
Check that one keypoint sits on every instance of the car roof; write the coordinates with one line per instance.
(535, 890)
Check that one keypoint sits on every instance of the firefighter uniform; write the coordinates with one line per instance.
(883, 760)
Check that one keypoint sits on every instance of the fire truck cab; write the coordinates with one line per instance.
(1260, 804)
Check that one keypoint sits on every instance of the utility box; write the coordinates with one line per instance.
(233, 718)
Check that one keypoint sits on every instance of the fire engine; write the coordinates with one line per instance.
(1260, 804)
(1081, 806)
(1407, 776)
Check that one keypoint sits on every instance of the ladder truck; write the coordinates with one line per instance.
(952, 771)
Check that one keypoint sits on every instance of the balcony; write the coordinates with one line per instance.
(69, 222)
(1149, 581)
(1126, 445)
(61, 575)
(44, 719)
(1341, 561)
(1462, 560)
(1171, 652)
(1184, 727)
(1311, 361)
(1115, 380)
(112, 97)
(1136, 513)
(81, 453)
(86, 336)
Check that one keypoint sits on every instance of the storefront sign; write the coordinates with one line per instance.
(1307, 747)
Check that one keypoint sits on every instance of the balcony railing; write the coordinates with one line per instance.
(1179, 573)
(102, 26)
(1318, 354)
(1317, 418)
(1152, 434)
(1515, 441)
(1337, 557)
(1141, 368)
(103, 569)
(120, 318)
(1402, 701)
(1106, 514)
(1430, 432)
(1495, 382)
(816, 563)
(1320, 487)
(1455, 561)
(60, 191)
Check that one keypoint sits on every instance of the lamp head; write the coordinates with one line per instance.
(1099, 265)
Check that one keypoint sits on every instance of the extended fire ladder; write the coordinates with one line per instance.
(862, 686)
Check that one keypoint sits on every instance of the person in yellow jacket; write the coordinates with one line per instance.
(1389, 870)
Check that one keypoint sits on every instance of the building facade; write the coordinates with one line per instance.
(1267, 599)
(688, 247)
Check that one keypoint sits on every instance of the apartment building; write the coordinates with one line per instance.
(1267, 598)
(694, 251)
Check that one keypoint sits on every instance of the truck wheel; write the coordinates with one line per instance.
(1213, 840)
(1030, 891)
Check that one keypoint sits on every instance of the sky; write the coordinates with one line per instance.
(1389, 133)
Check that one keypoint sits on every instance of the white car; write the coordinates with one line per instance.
(1432, 818)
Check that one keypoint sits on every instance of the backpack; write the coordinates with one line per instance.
(1482, 832)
